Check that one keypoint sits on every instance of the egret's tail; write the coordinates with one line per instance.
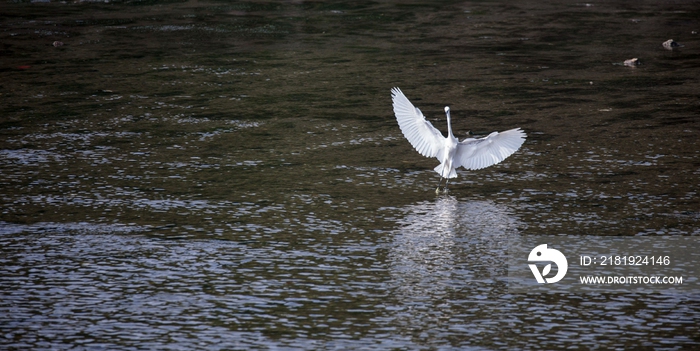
(445, 173)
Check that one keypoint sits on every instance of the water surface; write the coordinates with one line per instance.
(217, 175)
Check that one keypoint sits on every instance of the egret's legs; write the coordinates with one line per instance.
(437, 190)
(446, 181)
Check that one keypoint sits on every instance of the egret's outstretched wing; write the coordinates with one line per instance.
(480, 153)
(420, 133)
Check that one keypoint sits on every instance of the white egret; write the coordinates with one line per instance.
(469, 153)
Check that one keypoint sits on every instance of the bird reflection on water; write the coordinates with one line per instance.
(448, 250)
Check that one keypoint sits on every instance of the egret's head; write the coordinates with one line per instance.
(447, 109)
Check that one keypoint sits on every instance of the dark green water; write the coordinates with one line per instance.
(229, 175)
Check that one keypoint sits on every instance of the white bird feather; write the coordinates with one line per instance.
(470, 153)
